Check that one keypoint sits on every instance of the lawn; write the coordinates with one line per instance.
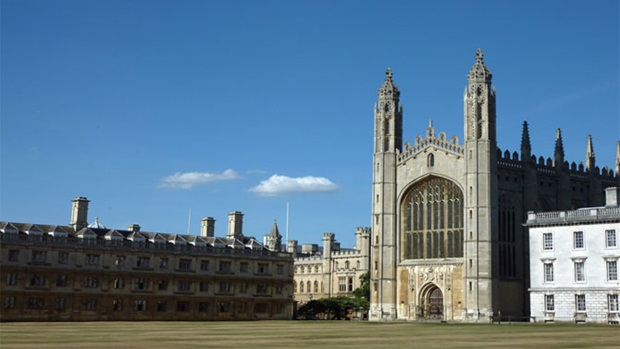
(303, 334)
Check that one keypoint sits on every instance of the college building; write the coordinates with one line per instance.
(448, 241)
(83, 272)
(329, 270)
(574, 263)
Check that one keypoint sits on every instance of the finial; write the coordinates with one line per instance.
(590, 160)
(526, 147)
(479, 55)
(430, 123)
(559, 149)
(388, 74)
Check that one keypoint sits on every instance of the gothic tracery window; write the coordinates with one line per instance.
(433, 220)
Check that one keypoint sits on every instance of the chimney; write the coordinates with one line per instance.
(235, 225)
(135, 228)
(207, 227)
(612, 195)
(79, 213)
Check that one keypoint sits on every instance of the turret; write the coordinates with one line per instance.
(481, 225)
(328, 244)
(479, 103)
(362, 239)
(388, 117)
(273, 240)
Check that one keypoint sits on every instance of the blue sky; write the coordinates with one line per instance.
(150, 108)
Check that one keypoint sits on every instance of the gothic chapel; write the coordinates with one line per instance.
(448, 241)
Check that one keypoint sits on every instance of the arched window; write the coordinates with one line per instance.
(309, 287)
(301, 287)
(316, 287)
(433, 213)
(430, 160)
(346, 265)
(294, 287)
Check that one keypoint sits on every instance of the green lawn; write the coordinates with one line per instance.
(303, 334)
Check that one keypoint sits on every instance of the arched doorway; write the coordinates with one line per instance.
(432, 303)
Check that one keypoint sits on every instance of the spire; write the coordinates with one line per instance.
(618, 158)
(590, 161)
(430, 131)
(558, 155)
(274, 230)
(479, 73)
(388, 90)
(526, 147)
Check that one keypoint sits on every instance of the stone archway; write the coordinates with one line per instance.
(432, 303)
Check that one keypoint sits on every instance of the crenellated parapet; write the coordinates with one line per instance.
(439, 142)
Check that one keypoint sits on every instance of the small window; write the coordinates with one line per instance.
(204, 265)
(139, 305)
(184, 286)
(11, 279)
(549, 302)
(578, 240)
(580, 302)
(63, 257)
(611, 238)
(612, 270)
(117, 304)
(243, 267)
(548, 272)
(547, 241)
(143, 262)
(92, 259)
(9, 302)
(185, 264)
(431, 160)
(580, 272)
(163, 263)
(13, 255)
(612, 302)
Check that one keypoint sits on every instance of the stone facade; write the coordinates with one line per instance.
(573, 255)
(447, 235)
(329, 271)
(86, 272)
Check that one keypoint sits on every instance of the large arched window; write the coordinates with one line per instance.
(433, 220)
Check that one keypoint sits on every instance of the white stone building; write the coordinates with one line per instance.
(574, 263)
(329, 271)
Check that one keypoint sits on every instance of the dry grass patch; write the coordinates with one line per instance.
(303, 334)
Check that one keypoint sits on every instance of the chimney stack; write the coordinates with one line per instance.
(79, 213)
(207, 227)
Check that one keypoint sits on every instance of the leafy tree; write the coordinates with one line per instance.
(364, 290)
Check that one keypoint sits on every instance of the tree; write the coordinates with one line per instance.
(364, 290)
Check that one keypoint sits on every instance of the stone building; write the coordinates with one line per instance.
(329, 270)
(447, 235)
(574, 263)
(84, 272)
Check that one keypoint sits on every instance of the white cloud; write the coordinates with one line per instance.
(188, 179)
(281, 185)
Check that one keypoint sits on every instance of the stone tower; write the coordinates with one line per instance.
(481, 191)
(388, 143)
(273, 240)
(79, 213)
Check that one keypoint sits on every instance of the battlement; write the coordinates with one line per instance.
(441, 143)
(507, 160)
